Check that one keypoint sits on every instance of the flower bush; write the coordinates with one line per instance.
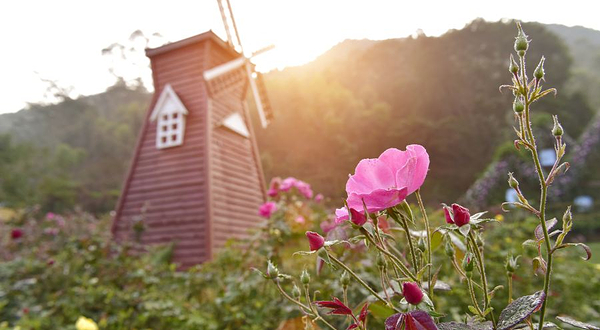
(408, 277)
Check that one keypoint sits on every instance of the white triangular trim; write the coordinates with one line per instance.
(235, 122)
(167, 94)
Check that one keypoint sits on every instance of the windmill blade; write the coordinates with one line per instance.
(225, 75)
(260, 97)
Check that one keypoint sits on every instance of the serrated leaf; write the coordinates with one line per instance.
(394, 322)
(438, 286)
(419, 320)
(577, 324)
(547, 325)
(482, 221)
(531, 243)
(539, 232)
(357, 239)
(520, 309)
(477, 215)
(322, 253)
(454, 326)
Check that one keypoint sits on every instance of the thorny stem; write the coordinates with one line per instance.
(473, 298)
(426, 221)
(397, 262)
(461, 272)
(283, 293)
(387, 296)
(365, 285)
(510, 288)
(411, 247)
(544, 192)
(481, 266)
(312, 308)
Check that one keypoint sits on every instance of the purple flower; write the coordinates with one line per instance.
(267, 209)
(385, 181)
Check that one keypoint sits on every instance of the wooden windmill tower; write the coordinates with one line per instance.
(196, 178)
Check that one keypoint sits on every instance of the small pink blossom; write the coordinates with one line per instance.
(300, 219)
(287, 184)
(50, 215)
(272, 192)
(319, 198)
(267, 209)
(384, 182)
(304, 189)
(315, 241)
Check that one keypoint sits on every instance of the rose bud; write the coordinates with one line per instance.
(16, 233)
(447, 214)
(461, 215)
(305, 277)
(272, 271)
(357, 218)
(315, 241)
(412, 293)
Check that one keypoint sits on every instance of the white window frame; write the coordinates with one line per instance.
(169, 113)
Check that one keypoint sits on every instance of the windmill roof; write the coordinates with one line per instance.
(208, 35)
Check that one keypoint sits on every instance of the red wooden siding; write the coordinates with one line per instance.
(207, 190)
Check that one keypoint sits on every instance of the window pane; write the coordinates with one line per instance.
(175, 115)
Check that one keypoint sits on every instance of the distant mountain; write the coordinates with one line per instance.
(352, 102)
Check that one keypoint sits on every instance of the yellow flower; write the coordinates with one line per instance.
(83, 323)
(499, 217)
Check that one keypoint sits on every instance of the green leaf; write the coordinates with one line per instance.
(577, 324)
(520, 309)
(539, 232)
(473, 310)
(465, 229)
(476, 216)
(304, 253)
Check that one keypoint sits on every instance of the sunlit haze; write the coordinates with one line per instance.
(62, 40)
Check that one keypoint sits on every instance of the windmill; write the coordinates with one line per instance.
(196, 179)
(222, 76)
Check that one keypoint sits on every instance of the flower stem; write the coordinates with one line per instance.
(365, 285)
(510, 287)
(473, 298)
(411, 247)
(543, 197)
(397, 262)
(426, 221)
(481, 266)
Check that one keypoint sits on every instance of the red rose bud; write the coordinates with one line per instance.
(412, 293)
(448, 214)
(357, 218)
(461, 215)
(315, 241)
(16, 233)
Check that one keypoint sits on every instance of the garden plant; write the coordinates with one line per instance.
(400, 239)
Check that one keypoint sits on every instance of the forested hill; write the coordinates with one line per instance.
(352, 102)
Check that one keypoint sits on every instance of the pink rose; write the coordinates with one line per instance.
(315, 241)
(287, 184)
(272, 192)
(385, 181)
(304, 189)
(267, 209)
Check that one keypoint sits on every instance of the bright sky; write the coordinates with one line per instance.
(62, 40)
